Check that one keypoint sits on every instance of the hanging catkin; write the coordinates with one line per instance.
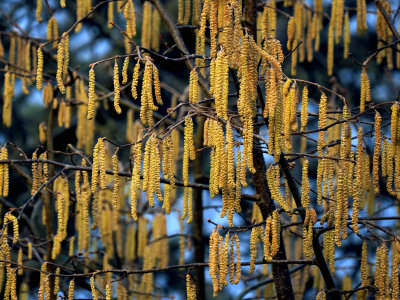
(365, 93)
(189, 152)
(135, 79)
(39, 68)
(305, 187)
(91, 95)
(377, 150)
(321, 123)
(4, 173)
(116, 88)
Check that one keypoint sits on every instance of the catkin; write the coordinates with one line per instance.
(102, 163)
(39, 68)
(125, 70)
(116, 89)
(189, 152)
(91, 95)
(60, 64)
(115, 197)
(377, 150)
(321, 123)
(305, 187)
(135, 79)
(304, 109)
(193, 87)
(129, 14)
(110, 14)
(4, 173)
(365, 93)
(8, 217)
(157, 86)
(39, 10)
(190, 288)
(93, 288)
(213, 260)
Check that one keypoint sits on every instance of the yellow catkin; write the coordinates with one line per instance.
(146, 24)
(135, 79)
(346, 38)
(115, 197)
(4, 173)
(91, 94)
(253, 248)
(19, 260)
(39, 69)
(125, 70)
(42, 133)
(71, 289)
(93, 288)
(189, 153)
(331, 45)
(135, 182)
(365, 93)
(95, 168)
(221, 85)
(305, 187)
(35, 174)
(116, 88)
(190, 288)
(108, 291)
(9, 80)
(57, 282)
(110, 14)
(361, 17)
(364, 268)
(39, 5)
(102, 163)
(304, 108)
(157, 86)
(193, 87)
(29, 250)
(129, 14)
(65, 42)
(377, 150)
(147, 101)
(213, 259)
(8, 217)
(321, 123)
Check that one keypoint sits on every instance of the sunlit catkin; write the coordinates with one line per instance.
(116, 88)
(39, 68)
(193, 87)
(377, 150)
(60, 64)
(135, 79)
(4, 173)
(11, 218)
(125, 70)
(115, 197)
(157, 86)
(189, 152)
(71, 289)
(365, 93)
(93, 288)
(321, 122)
(213, 259)
(39, 10)
(304, 108)
(190, 288)
(91, 95)
(135, 182)
(305, 187)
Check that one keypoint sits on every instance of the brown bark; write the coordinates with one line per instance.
(280, 272)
